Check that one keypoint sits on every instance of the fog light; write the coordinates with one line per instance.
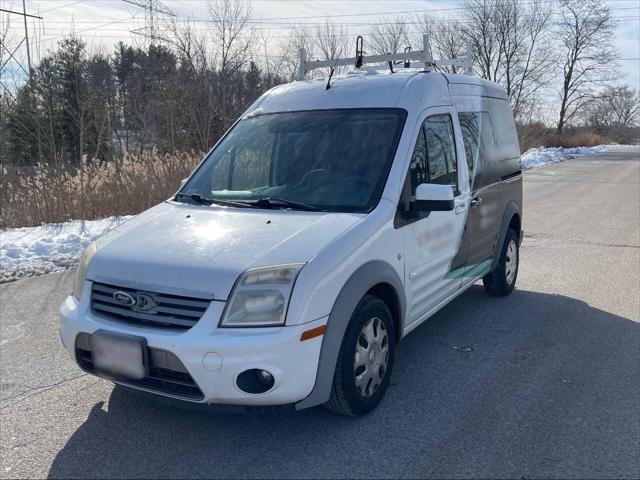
(265, 378)
(255, 381)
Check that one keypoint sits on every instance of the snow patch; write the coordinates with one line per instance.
(29, 251)
(536, 157)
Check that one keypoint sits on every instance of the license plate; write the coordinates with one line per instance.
(118, 355)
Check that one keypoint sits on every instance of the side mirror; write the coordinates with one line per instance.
(432, 197)
(182, 182)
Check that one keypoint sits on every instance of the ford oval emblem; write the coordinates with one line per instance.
(125, 298)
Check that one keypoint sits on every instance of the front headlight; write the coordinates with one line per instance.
(81, 272)
(260, 297)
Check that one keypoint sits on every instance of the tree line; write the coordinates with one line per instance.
(182, 93)
(135, 100)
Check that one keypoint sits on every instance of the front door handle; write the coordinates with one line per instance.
(476, 201)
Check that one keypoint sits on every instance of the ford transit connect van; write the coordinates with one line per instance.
(330, 221)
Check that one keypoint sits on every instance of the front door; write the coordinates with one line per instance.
(432, 240)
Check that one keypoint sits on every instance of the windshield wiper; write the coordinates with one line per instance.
(271, 202)
(267, 202)
(196, 197)
(203, 200)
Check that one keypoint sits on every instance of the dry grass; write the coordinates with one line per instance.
(535, 135)
(50, 193)
(532, 135)
(581, 139)
(58, 193)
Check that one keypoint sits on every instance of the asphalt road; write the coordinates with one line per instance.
(543, 383)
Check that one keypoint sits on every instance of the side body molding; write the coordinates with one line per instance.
(359, 283)
(510, 210)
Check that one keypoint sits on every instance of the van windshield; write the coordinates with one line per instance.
(332, 160)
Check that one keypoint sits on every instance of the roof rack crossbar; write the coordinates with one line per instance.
(423, 55)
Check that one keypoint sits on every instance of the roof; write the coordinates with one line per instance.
(408, 89)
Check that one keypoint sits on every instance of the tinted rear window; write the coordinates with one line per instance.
(491, 143)
(506, 135)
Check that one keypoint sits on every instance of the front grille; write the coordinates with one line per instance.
(167, 374)
(170, 311)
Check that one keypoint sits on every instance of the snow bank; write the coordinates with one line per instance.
(536, 157)
(29, 251)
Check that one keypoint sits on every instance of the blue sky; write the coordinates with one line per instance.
(104, 22)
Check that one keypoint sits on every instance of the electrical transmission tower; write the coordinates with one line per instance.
(12, 52)
(153, 11)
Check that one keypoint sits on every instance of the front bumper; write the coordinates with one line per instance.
(213, 356)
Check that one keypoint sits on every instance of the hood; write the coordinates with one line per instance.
(200, 251)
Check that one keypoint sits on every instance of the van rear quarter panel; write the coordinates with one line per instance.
(487, 221)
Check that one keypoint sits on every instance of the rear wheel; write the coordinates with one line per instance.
(502, 280)
(365, 360)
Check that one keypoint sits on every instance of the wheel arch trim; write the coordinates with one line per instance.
(365, 278)
(511, 210)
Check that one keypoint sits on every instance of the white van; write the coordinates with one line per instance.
(330, 221)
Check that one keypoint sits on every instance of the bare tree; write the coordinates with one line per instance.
(615, 107)
(331, 42)
(388, 36)
(297, 39)
(510, 46)
(479, 30)
(233, 39)
(190, 45)
(532, 60)
(585, 30)
(273, 63)
(444, 37)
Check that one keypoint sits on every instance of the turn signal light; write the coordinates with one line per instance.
(313, 333)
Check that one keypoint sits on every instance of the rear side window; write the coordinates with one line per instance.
(434, 156)
(479, 146)
(507, 145)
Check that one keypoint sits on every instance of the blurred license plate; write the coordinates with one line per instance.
(118, 355)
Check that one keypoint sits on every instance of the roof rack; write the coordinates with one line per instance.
(423, 55)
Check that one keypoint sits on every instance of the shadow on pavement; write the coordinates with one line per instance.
(529, 385)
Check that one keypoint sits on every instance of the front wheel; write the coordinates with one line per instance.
(365, 360)
(502, 279)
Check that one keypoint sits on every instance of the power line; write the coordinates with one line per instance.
(22, 14)
(267, 20)
(91, 29)
(62, 6)
(287, 25)
(263, 22)
(152, 11)
(274, 25)
(423, 10)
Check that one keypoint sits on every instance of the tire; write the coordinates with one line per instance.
(358, 387)
(502, 280)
